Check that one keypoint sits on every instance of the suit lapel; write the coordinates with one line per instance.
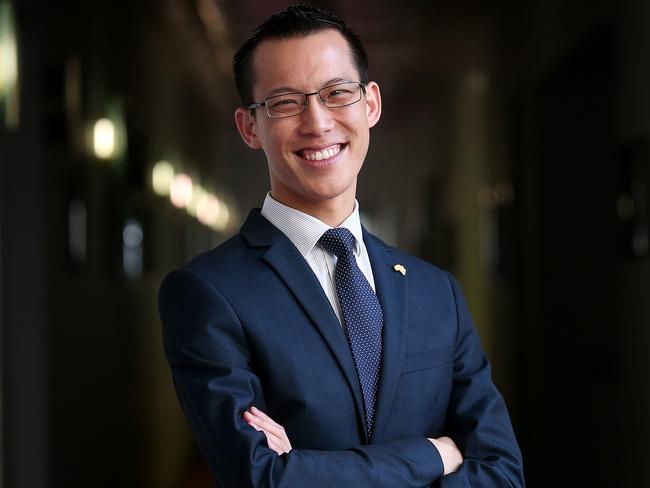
(292, 268)
(391, 287)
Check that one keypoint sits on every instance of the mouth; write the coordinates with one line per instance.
(321, 155)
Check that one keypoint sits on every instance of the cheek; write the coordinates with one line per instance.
(273, 136)
(362, 142)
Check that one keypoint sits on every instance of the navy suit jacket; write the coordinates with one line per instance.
(249, 324)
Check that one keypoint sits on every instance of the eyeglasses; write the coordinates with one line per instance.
(290, 104)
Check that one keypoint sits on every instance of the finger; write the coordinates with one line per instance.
(275, 443)
(274, 446)
(267, 423)
(251, 420)
(281, 442)
(448, 440)
(260, 424)
(280, 448)
(268, 426)
(258, 413)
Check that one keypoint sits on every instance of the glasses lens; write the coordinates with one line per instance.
(285, 105)
(341, 94)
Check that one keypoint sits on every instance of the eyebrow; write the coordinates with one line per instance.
(289, 89)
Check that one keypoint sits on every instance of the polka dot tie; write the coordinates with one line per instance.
(362, 316)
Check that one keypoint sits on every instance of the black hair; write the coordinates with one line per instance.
(295, 21)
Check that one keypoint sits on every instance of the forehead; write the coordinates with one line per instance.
(302, 63)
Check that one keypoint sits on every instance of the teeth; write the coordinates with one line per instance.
(327, 153)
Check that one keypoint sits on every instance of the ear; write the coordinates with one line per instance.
(247, 127)
(373, 103)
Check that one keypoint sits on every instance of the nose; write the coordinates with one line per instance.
(317, 118)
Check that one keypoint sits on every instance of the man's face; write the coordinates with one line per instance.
(299, 178)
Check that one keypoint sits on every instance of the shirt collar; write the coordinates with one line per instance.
(303, 229)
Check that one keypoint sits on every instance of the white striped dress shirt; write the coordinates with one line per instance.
(304, 231)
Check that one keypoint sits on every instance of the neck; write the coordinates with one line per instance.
(332, 212)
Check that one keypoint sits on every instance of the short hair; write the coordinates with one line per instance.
(295, 21)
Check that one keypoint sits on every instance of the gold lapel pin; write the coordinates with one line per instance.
(400, 268)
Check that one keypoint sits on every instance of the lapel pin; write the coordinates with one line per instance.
(400, 268)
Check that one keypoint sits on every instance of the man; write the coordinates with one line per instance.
(306, 352)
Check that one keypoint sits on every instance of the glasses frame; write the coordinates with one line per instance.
(306, 96)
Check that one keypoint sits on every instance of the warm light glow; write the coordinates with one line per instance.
(162, 177)
(190, 195)
(202, 204)
(223, 218)
(208, 209)
(8, 67)
(104, 138)
(181, 190)
(198, 194)
(8, 57)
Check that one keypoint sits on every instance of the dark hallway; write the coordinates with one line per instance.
(513, 150)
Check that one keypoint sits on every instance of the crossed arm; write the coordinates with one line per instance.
(214, 374)
(209, 355)
(277, 439)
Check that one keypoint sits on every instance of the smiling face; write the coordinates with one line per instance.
(313, 158)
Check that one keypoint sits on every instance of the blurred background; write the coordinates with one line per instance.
(513, 151)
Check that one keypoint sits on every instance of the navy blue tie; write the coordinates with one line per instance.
(362, 316)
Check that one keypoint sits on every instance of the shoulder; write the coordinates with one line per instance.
(217, 281)
(233, 261)
(219, 259)
(242, 249)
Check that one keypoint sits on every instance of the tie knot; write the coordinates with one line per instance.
(338, 241)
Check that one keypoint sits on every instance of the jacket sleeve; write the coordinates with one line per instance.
(477, 418)
(215, 379)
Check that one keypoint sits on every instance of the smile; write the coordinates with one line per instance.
(321, 154)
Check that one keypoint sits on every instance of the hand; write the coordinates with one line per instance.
(276, 437)
(449, 452)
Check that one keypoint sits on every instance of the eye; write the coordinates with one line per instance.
(283, 102)
(339, 92)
